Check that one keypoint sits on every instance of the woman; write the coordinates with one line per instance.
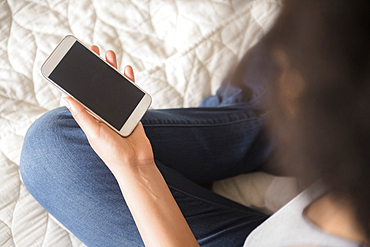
(144, 189)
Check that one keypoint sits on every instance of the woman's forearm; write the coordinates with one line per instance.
(155, 211)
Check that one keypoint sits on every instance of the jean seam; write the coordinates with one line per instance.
(176, 124)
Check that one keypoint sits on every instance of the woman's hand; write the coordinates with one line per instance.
(117, 152)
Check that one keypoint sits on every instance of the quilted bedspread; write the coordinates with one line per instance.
(180, 50)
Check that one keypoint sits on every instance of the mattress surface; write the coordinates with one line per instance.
(180, 50)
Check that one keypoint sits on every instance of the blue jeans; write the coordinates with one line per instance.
(222, 138)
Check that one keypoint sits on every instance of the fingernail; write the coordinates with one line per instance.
(66, 103)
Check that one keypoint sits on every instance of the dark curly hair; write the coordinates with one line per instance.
(322, 118)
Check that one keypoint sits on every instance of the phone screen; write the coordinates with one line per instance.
(96, 85)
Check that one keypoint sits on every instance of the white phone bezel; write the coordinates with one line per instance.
(57, 55)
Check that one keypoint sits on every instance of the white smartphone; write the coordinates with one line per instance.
(105, 93)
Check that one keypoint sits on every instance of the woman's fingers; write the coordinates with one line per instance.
(95, 49)
(110, 56)
(129, 73)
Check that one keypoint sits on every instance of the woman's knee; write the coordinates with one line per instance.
(44, 138)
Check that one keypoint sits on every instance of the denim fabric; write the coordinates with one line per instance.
(192, 146)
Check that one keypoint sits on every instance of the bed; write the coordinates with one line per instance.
(180, 50)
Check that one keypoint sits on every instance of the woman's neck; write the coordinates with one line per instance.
(335, 217)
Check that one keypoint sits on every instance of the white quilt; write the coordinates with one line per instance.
(180, 51)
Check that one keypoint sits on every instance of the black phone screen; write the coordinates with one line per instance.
(98, 86)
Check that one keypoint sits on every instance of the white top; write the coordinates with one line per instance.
(289, 227)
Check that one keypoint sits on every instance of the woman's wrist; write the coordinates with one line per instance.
(137, 170)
